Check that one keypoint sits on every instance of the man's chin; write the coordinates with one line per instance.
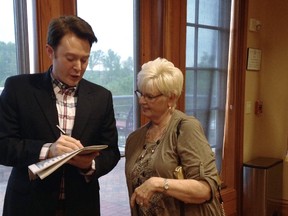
(72, 83)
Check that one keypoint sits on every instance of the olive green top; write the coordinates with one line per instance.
(187, 144)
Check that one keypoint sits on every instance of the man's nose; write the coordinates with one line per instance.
(77, 65)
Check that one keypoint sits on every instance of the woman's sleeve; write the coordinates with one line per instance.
(196, 155)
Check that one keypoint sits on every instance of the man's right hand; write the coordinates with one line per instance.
(63, 145)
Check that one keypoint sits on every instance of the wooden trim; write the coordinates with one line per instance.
(234, 130)
(278, 205)
(174, 38)
(230, 201)
(45, 11)
(150, 30)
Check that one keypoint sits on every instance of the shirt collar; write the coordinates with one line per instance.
(63, 88)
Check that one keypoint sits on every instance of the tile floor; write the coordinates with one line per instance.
(113, 192)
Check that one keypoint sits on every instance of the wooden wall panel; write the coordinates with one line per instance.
(45, 11)
(150, 23)
(174, 38)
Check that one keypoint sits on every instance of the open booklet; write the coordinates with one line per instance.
(44, 168)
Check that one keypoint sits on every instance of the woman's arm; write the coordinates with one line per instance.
(186, 190)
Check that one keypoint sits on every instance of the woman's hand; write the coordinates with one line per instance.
(144, 192)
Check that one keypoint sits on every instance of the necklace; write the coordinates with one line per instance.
(150, 145)
(153, 139)
(148, 149)
(155, 135)
(156, 132)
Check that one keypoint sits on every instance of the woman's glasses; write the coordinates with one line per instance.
(147, 97)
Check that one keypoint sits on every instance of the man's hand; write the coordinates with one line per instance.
(63, 145)
(83, 161)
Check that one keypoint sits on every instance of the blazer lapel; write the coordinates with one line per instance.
(83, 109)
(45, 97)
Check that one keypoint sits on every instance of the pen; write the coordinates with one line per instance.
(62, 131)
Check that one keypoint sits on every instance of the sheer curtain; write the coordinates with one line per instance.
(207, 48)
(234, 115)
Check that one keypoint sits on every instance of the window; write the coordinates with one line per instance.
(111, 64)
(14, 57)
(207, 43)
(7, 42)
(111, 59)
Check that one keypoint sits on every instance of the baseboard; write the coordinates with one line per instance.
(277, 207)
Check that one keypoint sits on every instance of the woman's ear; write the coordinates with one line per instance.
(172, 100)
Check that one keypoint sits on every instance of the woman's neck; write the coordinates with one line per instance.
(156, 130)
(161, 122)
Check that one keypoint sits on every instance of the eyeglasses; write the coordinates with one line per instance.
(147, 97)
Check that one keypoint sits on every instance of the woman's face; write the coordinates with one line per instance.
(153, 104)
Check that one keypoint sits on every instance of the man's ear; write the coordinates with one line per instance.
(49, 51)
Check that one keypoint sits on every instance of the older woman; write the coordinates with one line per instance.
(168, 140)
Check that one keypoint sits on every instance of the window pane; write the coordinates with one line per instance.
(201, 90)
(111, 62)
(189, 91)
(7, 42)
(190, 49)
(31, 31)
(209, 12)
(207, 48)
(8, 67)
(191, 11)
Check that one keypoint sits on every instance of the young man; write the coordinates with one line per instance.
(31, 108)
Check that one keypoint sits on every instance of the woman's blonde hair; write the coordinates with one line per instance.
(161, 74)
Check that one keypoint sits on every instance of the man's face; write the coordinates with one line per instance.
(70, 59)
